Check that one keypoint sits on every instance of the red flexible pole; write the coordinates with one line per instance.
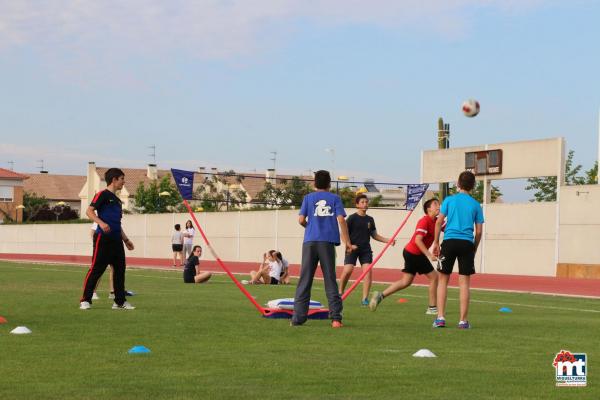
(220, 262)
(387, 245)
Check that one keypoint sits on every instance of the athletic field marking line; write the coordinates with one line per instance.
(513, 304)
(406, 295)
(136, 267)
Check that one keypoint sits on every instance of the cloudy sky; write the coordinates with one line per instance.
(222, 83)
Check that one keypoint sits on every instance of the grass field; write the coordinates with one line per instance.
(208, 342)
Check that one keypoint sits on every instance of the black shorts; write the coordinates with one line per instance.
(274, 281)
(364, 256)
(464, 251)
(416, 264)
(177, 247)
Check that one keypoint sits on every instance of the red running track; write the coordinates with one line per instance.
(508, 283)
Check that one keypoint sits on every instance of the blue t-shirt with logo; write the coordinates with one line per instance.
(322, 209)
(462, 212)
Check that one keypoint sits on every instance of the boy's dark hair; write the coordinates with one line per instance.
(177, 227)
(427, 204)
(466, 181)
(112, 173)
(359, 197)
(322, 179)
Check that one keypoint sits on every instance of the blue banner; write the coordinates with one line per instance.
(414, 194)
(185, 182)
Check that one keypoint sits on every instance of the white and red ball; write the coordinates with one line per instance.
(470, 108)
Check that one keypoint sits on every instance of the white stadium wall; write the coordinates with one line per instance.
(519, 238)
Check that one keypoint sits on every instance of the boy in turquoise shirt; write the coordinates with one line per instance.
(463, 213)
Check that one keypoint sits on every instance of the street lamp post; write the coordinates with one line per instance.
(343, 178)
(332, 152)
(59, 208)
(162, 194)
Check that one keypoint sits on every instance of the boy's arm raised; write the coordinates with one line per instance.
(438, 231)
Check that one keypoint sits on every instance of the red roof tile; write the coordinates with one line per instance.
(8, 174)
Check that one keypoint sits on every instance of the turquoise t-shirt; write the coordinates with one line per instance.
(462, 212)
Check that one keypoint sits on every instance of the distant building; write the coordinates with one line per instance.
(11, 195)
(251, 184)
(57, 188)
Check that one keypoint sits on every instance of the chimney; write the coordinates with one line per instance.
(214, 170)
(152, 172)
(270, 176)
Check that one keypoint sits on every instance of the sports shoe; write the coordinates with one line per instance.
(464, 325)
(84, 305)
(111, 295)
(439, 323)
(364, 302)
(125, 306)
(95, 296)
(375, 300)
(129, 293)
(244, 282)
(337, 324)
(431, 310)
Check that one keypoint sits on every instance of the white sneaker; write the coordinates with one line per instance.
(431, 311)
(244, 282)
(84, 305)
(125, 306)
(111, 296)
(95, 296)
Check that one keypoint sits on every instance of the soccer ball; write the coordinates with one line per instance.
(470, 108)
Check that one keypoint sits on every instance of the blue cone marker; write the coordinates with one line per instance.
(139, 350)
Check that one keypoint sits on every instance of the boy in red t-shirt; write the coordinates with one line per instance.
(416, 259)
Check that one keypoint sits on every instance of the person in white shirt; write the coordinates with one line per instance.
(269, 271)
(188, 239)
(177, 246)
(285, 273)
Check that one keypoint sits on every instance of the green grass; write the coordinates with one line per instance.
(208, 342)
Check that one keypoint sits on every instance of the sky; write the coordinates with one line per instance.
(223, 83)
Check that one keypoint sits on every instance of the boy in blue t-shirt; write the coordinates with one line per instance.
(320, 214)
(462, 212)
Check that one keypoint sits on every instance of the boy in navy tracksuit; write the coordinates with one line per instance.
(320, 214)
(106, 210)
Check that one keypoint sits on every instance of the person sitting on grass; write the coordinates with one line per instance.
(191, 272)
(269, 271)
(285, 272)
(417, 259)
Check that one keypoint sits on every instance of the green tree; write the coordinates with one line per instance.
(149, 201)
(285, 194)
(545, 186)
(347, 195)
(216, 193)
(33, 205)
(591, 175)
